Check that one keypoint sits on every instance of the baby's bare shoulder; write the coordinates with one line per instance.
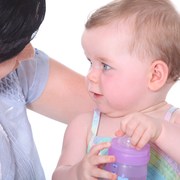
(83, 120)
(176, 118)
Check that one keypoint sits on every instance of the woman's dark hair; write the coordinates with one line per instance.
(19, 22)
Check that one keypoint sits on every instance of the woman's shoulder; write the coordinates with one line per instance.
(33, 75)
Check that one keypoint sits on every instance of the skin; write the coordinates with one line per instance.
(64, 87)
(130, 92)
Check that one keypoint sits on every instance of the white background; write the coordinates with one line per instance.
(59, 36)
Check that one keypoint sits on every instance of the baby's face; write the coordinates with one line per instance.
(117, 80)
(9, 65)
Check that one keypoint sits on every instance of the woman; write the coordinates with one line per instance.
(29, 78)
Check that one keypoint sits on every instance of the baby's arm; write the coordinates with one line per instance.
(74, 163)
(169, 139)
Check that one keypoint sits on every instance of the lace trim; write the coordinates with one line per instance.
(10, 87)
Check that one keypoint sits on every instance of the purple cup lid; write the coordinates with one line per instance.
(126, 154)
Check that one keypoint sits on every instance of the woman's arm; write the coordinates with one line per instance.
(65, 95)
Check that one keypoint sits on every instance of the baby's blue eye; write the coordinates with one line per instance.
(106, 67)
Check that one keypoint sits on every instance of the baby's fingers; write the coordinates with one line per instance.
(144, 140)
(103, 159)
(97, 148)
(137, 135)
(119, 132)
(100, 173)
(128, 124)
(96, 159)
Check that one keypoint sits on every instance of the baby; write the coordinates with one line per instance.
(134, 51)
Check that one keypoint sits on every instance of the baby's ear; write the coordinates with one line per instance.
(158, 75)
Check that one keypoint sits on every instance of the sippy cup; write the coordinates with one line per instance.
(131, 164)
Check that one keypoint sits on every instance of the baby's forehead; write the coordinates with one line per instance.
(120, 25)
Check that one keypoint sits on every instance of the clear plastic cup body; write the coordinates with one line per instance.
(131, 164)
(128, 172)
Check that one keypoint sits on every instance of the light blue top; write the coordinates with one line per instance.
(19, 159)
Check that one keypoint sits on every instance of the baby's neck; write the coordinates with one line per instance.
(156, 107)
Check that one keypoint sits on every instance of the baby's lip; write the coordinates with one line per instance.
(96, 95)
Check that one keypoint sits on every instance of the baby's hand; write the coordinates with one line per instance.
(141, 128)
(89, 167)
